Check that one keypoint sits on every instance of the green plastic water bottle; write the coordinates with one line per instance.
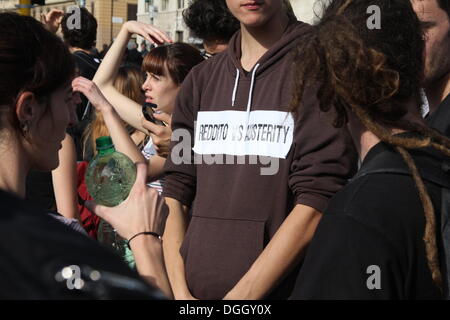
(109, 179)
(110, 175)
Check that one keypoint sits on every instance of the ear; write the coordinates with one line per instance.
(26, 107)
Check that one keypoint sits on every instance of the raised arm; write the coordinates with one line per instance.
(114, 123)
(129, 110)
(65, 180)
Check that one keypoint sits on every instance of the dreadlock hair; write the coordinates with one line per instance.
(372, 73)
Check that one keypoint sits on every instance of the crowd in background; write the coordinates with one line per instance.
(362, 180)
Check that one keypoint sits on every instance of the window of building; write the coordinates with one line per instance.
(180, 4)
(148, 4)
(179, 36)
(164, 5)
(132, 12)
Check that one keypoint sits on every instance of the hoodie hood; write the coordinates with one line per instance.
(277, 52)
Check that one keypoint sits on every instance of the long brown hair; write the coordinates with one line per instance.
(372, 73)
(31, 59)
(128, 82)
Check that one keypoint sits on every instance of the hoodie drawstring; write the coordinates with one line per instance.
(250, 93)
(233, 98)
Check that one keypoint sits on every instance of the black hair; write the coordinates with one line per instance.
(84, 37)
(210, 20)
(31, 59)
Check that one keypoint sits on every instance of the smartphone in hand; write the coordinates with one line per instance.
(147, 110)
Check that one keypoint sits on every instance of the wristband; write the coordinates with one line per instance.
(146, 233)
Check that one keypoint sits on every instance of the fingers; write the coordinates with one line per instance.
(84, 84)
(95, 208)
(151, 127)
(157, 34)
(167, 118)
(149, 32)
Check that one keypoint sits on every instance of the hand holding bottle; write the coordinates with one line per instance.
(143, 211)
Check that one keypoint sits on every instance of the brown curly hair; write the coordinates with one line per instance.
(372, 73)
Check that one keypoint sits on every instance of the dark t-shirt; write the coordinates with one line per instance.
(39, 190)
(369, 244)
(440, 120)
(35, 246)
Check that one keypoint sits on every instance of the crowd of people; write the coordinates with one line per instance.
(357, 207)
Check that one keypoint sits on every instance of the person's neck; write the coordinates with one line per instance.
(256, 41)
(73, 49)
(214, 47)
(437, 92)
(365, 140)
(14, 168)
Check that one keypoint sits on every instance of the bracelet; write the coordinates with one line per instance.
(146, 233)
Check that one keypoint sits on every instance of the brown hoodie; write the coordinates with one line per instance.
(236, 210)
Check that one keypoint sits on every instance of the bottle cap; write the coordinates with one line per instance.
(104, 143)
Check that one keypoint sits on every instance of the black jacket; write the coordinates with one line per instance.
(440, 120)
(34, 247)
(373, 230)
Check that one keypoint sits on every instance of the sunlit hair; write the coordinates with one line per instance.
(179, 58)
(128, 82)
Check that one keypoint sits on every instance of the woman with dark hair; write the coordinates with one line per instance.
(385, 235)
(37, 104)
(166, 67)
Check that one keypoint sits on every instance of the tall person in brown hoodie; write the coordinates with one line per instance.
(249, 227)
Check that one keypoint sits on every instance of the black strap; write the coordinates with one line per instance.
(388, 162)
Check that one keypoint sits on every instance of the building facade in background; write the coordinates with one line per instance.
(110, 14)
(165, 14)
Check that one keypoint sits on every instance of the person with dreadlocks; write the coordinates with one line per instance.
(384, 235)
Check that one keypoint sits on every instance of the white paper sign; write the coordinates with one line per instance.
(265, 133)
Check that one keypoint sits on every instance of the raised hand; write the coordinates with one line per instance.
(148, 31)
(92, 92)
(161, 136)
(52, 20)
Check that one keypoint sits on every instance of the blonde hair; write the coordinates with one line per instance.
(128, 82)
